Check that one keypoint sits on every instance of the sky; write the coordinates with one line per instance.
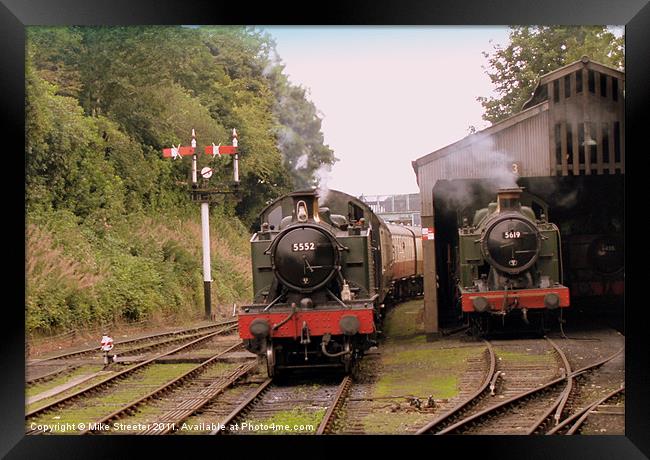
(389, 95)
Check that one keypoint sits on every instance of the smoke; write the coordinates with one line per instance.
(481, 160)
(301, 163)
(567, 200)
(323, 175)
(491, 162)
(285, 137)
(557, 192)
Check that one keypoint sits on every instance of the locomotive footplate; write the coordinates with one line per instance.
(550, 298)
(281, 321)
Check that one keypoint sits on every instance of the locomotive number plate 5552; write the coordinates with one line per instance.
(303, 247)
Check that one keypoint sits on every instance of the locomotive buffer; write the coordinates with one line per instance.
(204, 195)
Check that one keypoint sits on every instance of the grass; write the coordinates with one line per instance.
(422, 372)
(525, 357)
(60, 380)
(105, 402)
(412, 367)
(46, 401)
(384, 422)
(404, 320)
(297, 421)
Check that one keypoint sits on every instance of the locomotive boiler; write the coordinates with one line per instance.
(509, 264)
(323, 270)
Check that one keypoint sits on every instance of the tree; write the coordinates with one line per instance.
(537, 50)
(135, 90)
(299, 134)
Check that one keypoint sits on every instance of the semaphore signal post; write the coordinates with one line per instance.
(204, 195)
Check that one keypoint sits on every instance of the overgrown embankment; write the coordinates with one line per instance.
(139, 268)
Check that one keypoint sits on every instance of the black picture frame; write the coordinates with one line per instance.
(15, 15)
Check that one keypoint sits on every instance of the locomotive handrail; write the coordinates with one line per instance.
(273, 302)
(337, 299)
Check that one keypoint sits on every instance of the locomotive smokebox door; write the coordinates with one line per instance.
(305, 258)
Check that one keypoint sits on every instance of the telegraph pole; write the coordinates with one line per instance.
(204, 195)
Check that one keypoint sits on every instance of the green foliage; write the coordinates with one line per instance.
(139, 268)
(537, 50)
(114, 234)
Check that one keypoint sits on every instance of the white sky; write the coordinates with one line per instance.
(389, 95)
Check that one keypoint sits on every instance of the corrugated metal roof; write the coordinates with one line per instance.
(479, 135)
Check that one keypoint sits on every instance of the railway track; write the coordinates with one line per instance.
(264, 406)
(187, 393)
(45, 369)
(524, 412)
(114, 379)
(572, 424)
(327, 424)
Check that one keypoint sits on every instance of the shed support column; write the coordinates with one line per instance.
(430, 285)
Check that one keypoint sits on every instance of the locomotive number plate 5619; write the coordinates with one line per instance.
(303, 247)
(511, 235)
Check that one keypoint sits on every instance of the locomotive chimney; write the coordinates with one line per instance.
(305, 206)
(509, 199)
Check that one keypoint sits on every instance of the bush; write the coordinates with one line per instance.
(81, 273)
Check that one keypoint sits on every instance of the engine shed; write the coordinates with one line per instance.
(566, 148)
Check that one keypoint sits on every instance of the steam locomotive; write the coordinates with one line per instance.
(322, 274)
(509, 264)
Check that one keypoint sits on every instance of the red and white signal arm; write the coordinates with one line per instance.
(428, 233)
(176, 152)
(107, 343)
(220, 150)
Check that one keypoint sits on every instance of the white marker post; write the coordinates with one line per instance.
(207, 271)
(236, 159)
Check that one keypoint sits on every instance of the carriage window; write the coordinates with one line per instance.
(556, 91)
(615, 89)
(603, 85)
